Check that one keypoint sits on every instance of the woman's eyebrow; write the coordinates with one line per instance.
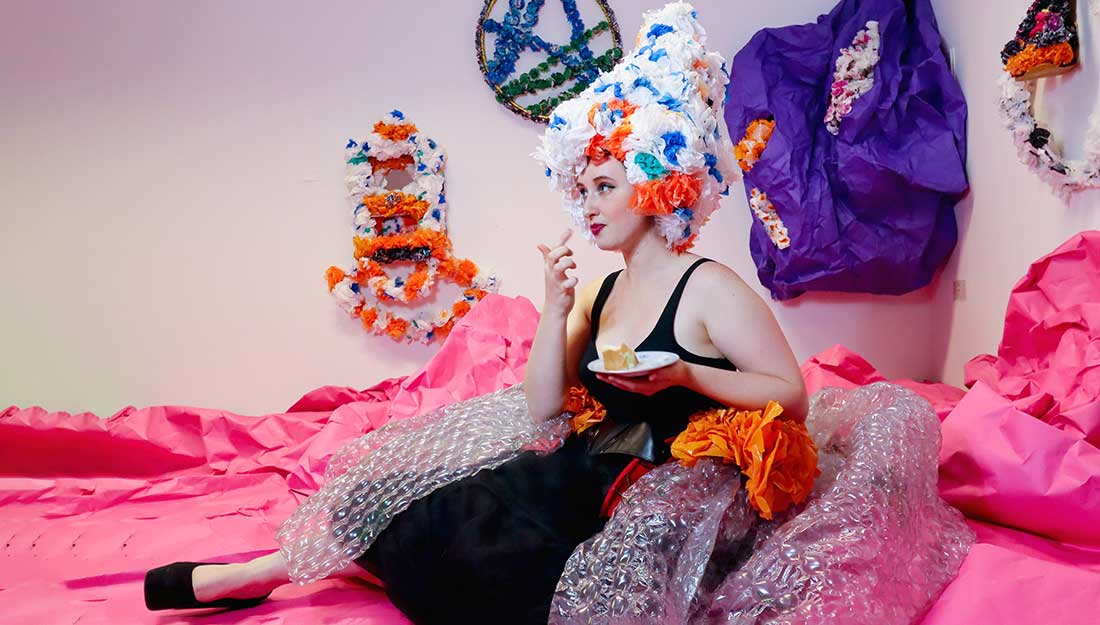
(599, 178)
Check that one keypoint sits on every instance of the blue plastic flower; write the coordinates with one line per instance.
(712, 163)
(658, 29)
(674, 142)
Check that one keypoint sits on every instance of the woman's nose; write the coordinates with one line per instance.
(590, 208)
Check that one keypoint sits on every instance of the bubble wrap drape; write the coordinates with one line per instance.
(875, 543)
(379, 474)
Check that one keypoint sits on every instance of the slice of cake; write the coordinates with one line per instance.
(618, 358)
(1046, 42)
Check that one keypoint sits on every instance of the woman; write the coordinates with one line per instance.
(718, 318)
(642, 159)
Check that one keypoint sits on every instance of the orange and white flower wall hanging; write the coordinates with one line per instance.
(396, 228)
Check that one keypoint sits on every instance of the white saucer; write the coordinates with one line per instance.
(647, 361)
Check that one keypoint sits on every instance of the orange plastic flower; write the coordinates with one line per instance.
(334, 275)
(751, 147)
(394, 203)
(467, 271)
(778, 456)
(416, 281)
(783, 467)
(461, 308)
(368, 316)
(664, 195)
(597, 151)
(366, 247)
(681, 190)
(390, 164)
(616, 104)
(647, 199)
(445, 329)
(615, 142)
(1031, 57)
(586, 410)
(396, 328)
(394, 132)
(462, 271)
(368, 269)
(686, 244)
(600, 148)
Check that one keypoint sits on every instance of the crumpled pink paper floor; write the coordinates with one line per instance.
(89, 504)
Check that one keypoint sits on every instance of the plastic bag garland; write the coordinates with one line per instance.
(396, 227)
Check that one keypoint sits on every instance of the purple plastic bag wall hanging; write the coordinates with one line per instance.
(856, 187)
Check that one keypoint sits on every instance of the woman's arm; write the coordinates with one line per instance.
(558, 346)
(561, 336)
(741, 325)
(544, 379)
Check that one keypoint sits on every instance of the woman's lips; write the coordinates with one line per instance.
(595, 229)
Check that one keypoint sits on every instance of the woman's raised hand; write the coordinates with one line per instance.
(560, 287)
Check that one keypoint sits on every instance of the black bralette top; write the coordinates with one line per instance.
(639, 425)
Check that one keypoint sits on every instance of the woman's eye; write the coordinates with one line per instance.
(604, 186)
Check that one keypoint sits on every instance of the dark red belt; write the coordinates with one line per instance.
(627, 477)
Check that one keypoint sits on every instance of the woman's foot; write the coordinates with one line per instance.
(183, 585)
(231, 581)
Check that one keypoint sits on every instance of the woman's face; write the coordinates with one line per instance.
(606, 195)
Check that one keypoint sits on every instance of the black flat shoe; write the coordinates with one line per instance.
(169, 588)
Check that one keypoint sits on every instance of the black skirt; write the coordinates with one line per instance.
(490, 548)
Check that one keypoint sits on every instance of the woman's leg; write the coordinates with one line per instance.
(252, 579)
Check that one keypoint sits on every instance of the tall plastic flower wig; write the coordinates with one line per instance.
(659, 112)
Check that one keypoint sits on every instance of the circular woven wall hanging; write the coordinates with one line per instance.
(509, 37)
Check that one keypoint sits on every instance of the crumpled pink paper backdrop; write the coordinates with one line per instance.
(90, 504)
(1048, 362)
(1005, 466)
(841, 367)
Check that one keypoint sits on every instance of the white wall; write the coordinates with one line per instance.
(172, 193)
(1011, 218)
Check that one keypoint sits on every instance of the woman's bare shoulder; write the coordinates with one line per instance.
(723, 292)
(715, 275)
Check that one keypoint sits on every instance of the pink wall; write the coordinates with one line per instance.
(172, 194)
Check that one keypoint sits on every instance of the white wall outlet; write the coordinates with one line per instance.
(960, 290)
